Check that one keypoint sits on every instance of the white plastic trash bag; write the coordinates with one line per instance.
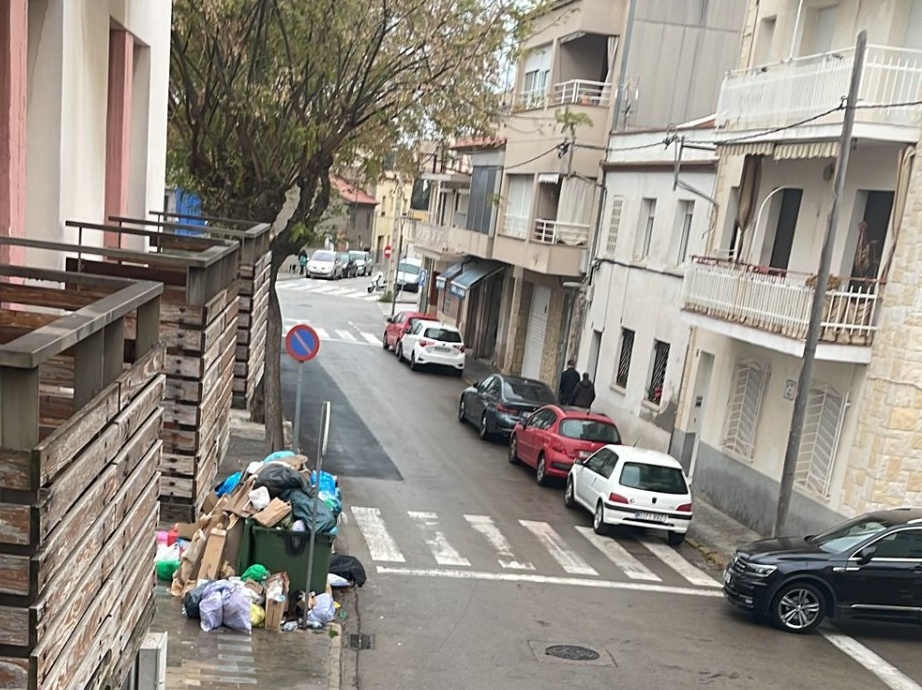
(259, 498)
(324, 610)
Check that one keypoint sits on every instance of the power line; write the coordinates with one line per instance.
(533, 159)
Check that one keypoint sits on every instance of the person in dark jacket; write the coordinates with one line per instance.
(568, 380)
(584, 394)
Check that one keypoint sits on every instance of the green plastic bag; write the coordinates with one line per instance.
(255, 572)
(165, 569)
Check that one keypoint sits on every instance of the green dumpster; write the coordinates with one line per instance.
(286, 551)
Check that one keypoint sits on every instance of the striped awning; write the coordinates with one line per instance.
(806, 149)
(751, 148)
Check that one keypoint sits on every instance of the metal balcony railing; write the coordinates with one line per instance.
(557, 232)
(581, 92)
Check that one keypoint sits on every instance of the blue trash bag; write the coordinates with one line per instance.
(229, 484)
(327, 482)
(334, 503)
(278, 455)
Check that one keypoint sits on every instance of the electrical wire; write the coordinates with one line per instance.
(533, 159)
(773, 130)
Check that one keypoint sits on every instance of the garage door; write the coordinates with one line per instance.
(537, 329)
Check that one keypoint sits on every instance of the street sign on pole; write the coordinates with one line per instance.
(422, 277)
(387, 252)
(322, 439)
(302, 344)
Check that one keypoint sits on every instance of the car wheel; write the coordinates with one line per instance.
(384, 341)
(413, 365)
(798, 608)
(541, 471)
(514, 451)
(675, 538)
(399, 351)
(598, 520)
(462, 413)
(569, 500)
(483, 429)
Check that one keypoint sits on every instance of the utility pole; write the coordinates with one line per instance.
(397, 264)
(819, 294)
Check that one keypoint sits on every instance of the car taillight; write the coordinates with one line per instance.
(617, 498)
(685, 508)
(502, 408)
(460, 348)
(424, 343)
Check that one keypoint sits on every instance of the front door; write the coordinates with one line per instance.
(702, 386)
(890, 584)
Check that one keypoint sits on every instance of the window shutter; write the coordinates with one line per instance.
(820, 441)
(746, 393)
(614, 223)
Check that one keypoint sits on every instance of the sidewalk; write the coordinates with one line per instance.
(301, 660)
(717, 535)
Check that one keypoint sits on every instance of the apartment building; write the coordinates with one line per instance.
(748, 297)
(83, 106)
(634, 340)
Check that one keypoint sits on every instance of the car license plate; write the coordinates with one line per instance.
(441, 349)
(650, 517)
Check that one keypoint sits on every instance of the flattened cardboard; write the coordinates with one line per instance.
(274, 513)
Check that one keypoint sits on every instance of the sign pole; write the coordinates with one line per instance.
(322, 438)
(296, 431)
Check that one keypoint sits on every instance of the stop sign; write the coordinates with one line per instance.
(387, 252)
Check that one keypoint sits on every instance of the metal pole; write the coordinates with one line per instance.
(312, 539)
(397, 268)
(819, 295)
(296, 430)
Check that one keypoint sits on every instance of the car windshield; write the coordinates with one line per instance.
(408, 268)
(323, 256)
(664, 480)
(527, 391)
(589, 430)
(357, 256)
(343, 257)
(443, 335)
(848, 535)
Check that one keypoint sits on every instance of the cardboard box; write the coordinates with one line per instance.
(186, 530)
(211, 558)
(274, 513)
(275, 610)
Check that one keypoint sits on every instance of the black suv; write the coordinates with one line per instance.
(868, 567)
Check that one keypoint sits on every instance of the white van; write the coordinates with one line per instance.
(408, 272)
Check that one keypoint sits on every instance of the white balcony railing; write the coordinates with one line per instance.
(531, 100)
(779, 301)
(516, 226)
(783, 93)
(432, 237)
(581, 92)
(556, 232)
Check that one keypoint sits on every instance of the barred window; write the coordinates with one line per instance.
(624, 357)
(658, 371)
(820, 441)
(746, 392)
(614, 223)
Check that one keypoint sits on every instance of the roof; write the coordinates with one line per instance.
(647, 456)
(472, 143)
(898, 516)
(350, 193)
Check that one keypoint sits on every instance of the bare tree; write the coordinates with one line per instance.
(268, 96)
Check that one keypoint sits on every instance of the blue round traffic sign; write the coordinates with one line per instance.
(302, 343)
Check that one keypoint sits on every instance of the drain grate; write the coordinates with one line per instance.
(572, 652)
(361, 641)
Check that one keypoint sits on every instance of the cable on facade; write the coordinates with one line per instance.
(557, 148)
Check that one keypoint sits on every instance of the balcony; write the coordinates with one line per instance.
(441, 241)
(781, 94)
(558, 232)
(771, 308)
(581, 92)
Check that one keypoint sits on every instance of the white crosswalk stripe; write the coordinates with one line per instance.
(325, 288)
(371, 298)
(321, 333)
(591, 555)
(485, 525)
(329, 289)
(373, 339)
(381, 545)
(345, 335)
(618, 555)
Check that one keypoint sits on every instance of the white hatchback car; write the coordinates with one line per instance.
(623, 485)
(435, 343)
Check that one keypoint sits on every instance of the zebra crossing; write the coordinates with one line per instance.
(328, 289)
(351, 335)
(523, 550)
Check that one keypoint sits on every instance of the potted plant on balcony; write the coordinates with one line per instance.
(832, 286)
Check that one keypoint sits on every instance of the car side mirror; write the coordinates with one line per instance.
(390, 319)
(866, 554)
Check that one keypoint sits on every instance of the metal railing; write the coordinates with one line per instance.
(581, 92)
(782, 93)
(557, 232)
(779, 301)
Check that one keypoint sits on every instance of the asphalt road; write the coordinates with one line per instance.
(474, 570)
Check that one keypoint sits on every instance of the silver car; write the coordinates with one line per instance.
(362, 261)
(325, 264)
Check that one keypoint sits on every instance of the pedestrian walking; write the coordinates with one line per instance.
(302, 260)
(584, 395)
(568, 381)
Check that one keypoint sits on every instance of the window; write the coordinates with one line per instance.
(542, 419)
(589, 430)
(849, 534)
(684, 218)
(905, 544)
(624, 357)
(518, 390)
(664, 480)
(492, 388)
(459, 218)
(614, 223)
(743, 408)
(600, 459)
(820, 441)
(658, 371)
(481, 203)
(608, 464)
(647, 216)
(445, 335)
(485, 384)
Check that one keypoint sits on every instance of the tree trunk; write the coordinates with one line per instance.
(271, 386)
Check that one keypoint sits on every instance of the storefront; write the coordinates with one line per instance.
(469, 295)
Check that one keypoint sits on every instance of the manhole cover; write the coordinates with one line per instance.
(572, 652)
(361, 641)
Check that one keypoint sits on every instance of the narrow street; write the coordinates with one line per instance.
(474, 570)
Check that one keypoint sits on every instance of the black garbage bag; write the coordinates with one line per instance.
(278, 477)
(348, 567)
(302, 508)
(192, 599)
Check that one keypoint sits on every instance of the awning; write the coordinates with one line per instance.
(448, 274)
(474, 272)
(548, 178)
(808, 149)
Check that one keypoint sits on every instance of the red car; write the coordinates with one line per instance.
(554, 436)
(399, 324)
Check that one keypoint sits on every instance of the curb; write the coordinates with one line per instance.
(335, 658)
(716, 558)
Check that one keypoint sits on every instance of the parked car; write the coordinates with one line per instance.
(433, 343)
(398, 325)
(325, 264)
(349, 268)
(636, 487)
(554, 437)
(408, 273)
(497, 403)
(867, 567)
(362, 261)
